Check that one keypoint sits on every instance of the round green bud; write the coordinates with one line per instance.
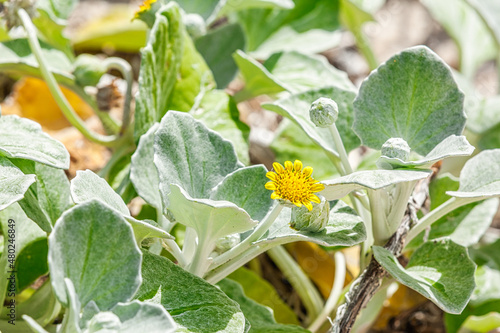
(396, 148)
(88, 70)
(195, 25)
(324, 112)
(315, 220)
(227, 242)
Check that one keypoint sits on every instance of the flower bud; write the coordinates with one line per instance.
(314, 220)
(396, 148)
(324, 112)
(88, 69)
(195, 25)
(227, 242)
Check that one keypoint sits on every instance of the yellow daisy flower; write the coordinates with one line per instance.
(294, 184)
(146, 5)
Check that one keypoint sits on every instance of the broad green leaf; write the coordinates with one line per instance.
(298, 72)
(440, 270)
(25, 233)
(438, 188)
(143, 173)
(23, 138)
(13, 183)
(189, 309)
(467, 29)
(89, 186)
(412, 96)
(211, 219)
(449, 147)
(85, 240)
(237, 5)
(31, 263)
(288, 39)
(218, 111)
(245, 188)
(202, 7)
(480, 176)
(344, 228)
(490, 139)
(263, 292)
(228, 39)
(489, 10)
(51, 29)
(370, 179)
(296, 108)
(193, 79)
(190, 155)
(160, 65)
(48, 197)
(260, 317)
(258, 80)
(487, 255)
(134, 317)
(260, 23)
(464, 225)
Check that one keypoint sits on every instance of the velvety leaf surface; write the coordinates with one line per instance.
(480, 176)
(190, 155)
(13, 183)
(205, 311)
(94, 247)
(412, 96)
(143, 173)
(440, 270)
(464, 225)
(211, 219)
(451, 146)
(296, 108)
(160, 64)
(372, 179)
(344, 228)
(23, 138)
(260, 317)
(245, 188)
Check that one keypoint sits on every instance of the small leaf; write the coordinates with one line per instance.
(143, 173)
(440, 270)
(344, 228)
(480, 176)
(191, 310)
(85, 240)
(13, 183)
(412, 96)
(23, 138)
(449, 147)
(296, 108)
(260, 317)
(370, 179)
(211, 219)
(190, 155)
(245, 188)
(464, 226)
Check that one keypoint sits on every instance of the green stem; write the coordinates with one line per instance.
(62, 102)
(335, 293)
(247, 242)
(337, 140)
(298, 279)
(437, 213)
(126, 70)
(174, 249)
(198, 266)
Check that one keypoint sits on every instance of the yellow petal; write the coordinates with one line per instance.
(298, 204)
(270, 186)
(289, 165)
(297, 165)
(271, 175)
(278, 168)
(308, 205)
(307, 171)
(315, 199)
(274, 196)
(317, 187)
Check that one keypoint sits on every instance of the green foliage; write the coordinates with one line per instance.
(13, 183)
